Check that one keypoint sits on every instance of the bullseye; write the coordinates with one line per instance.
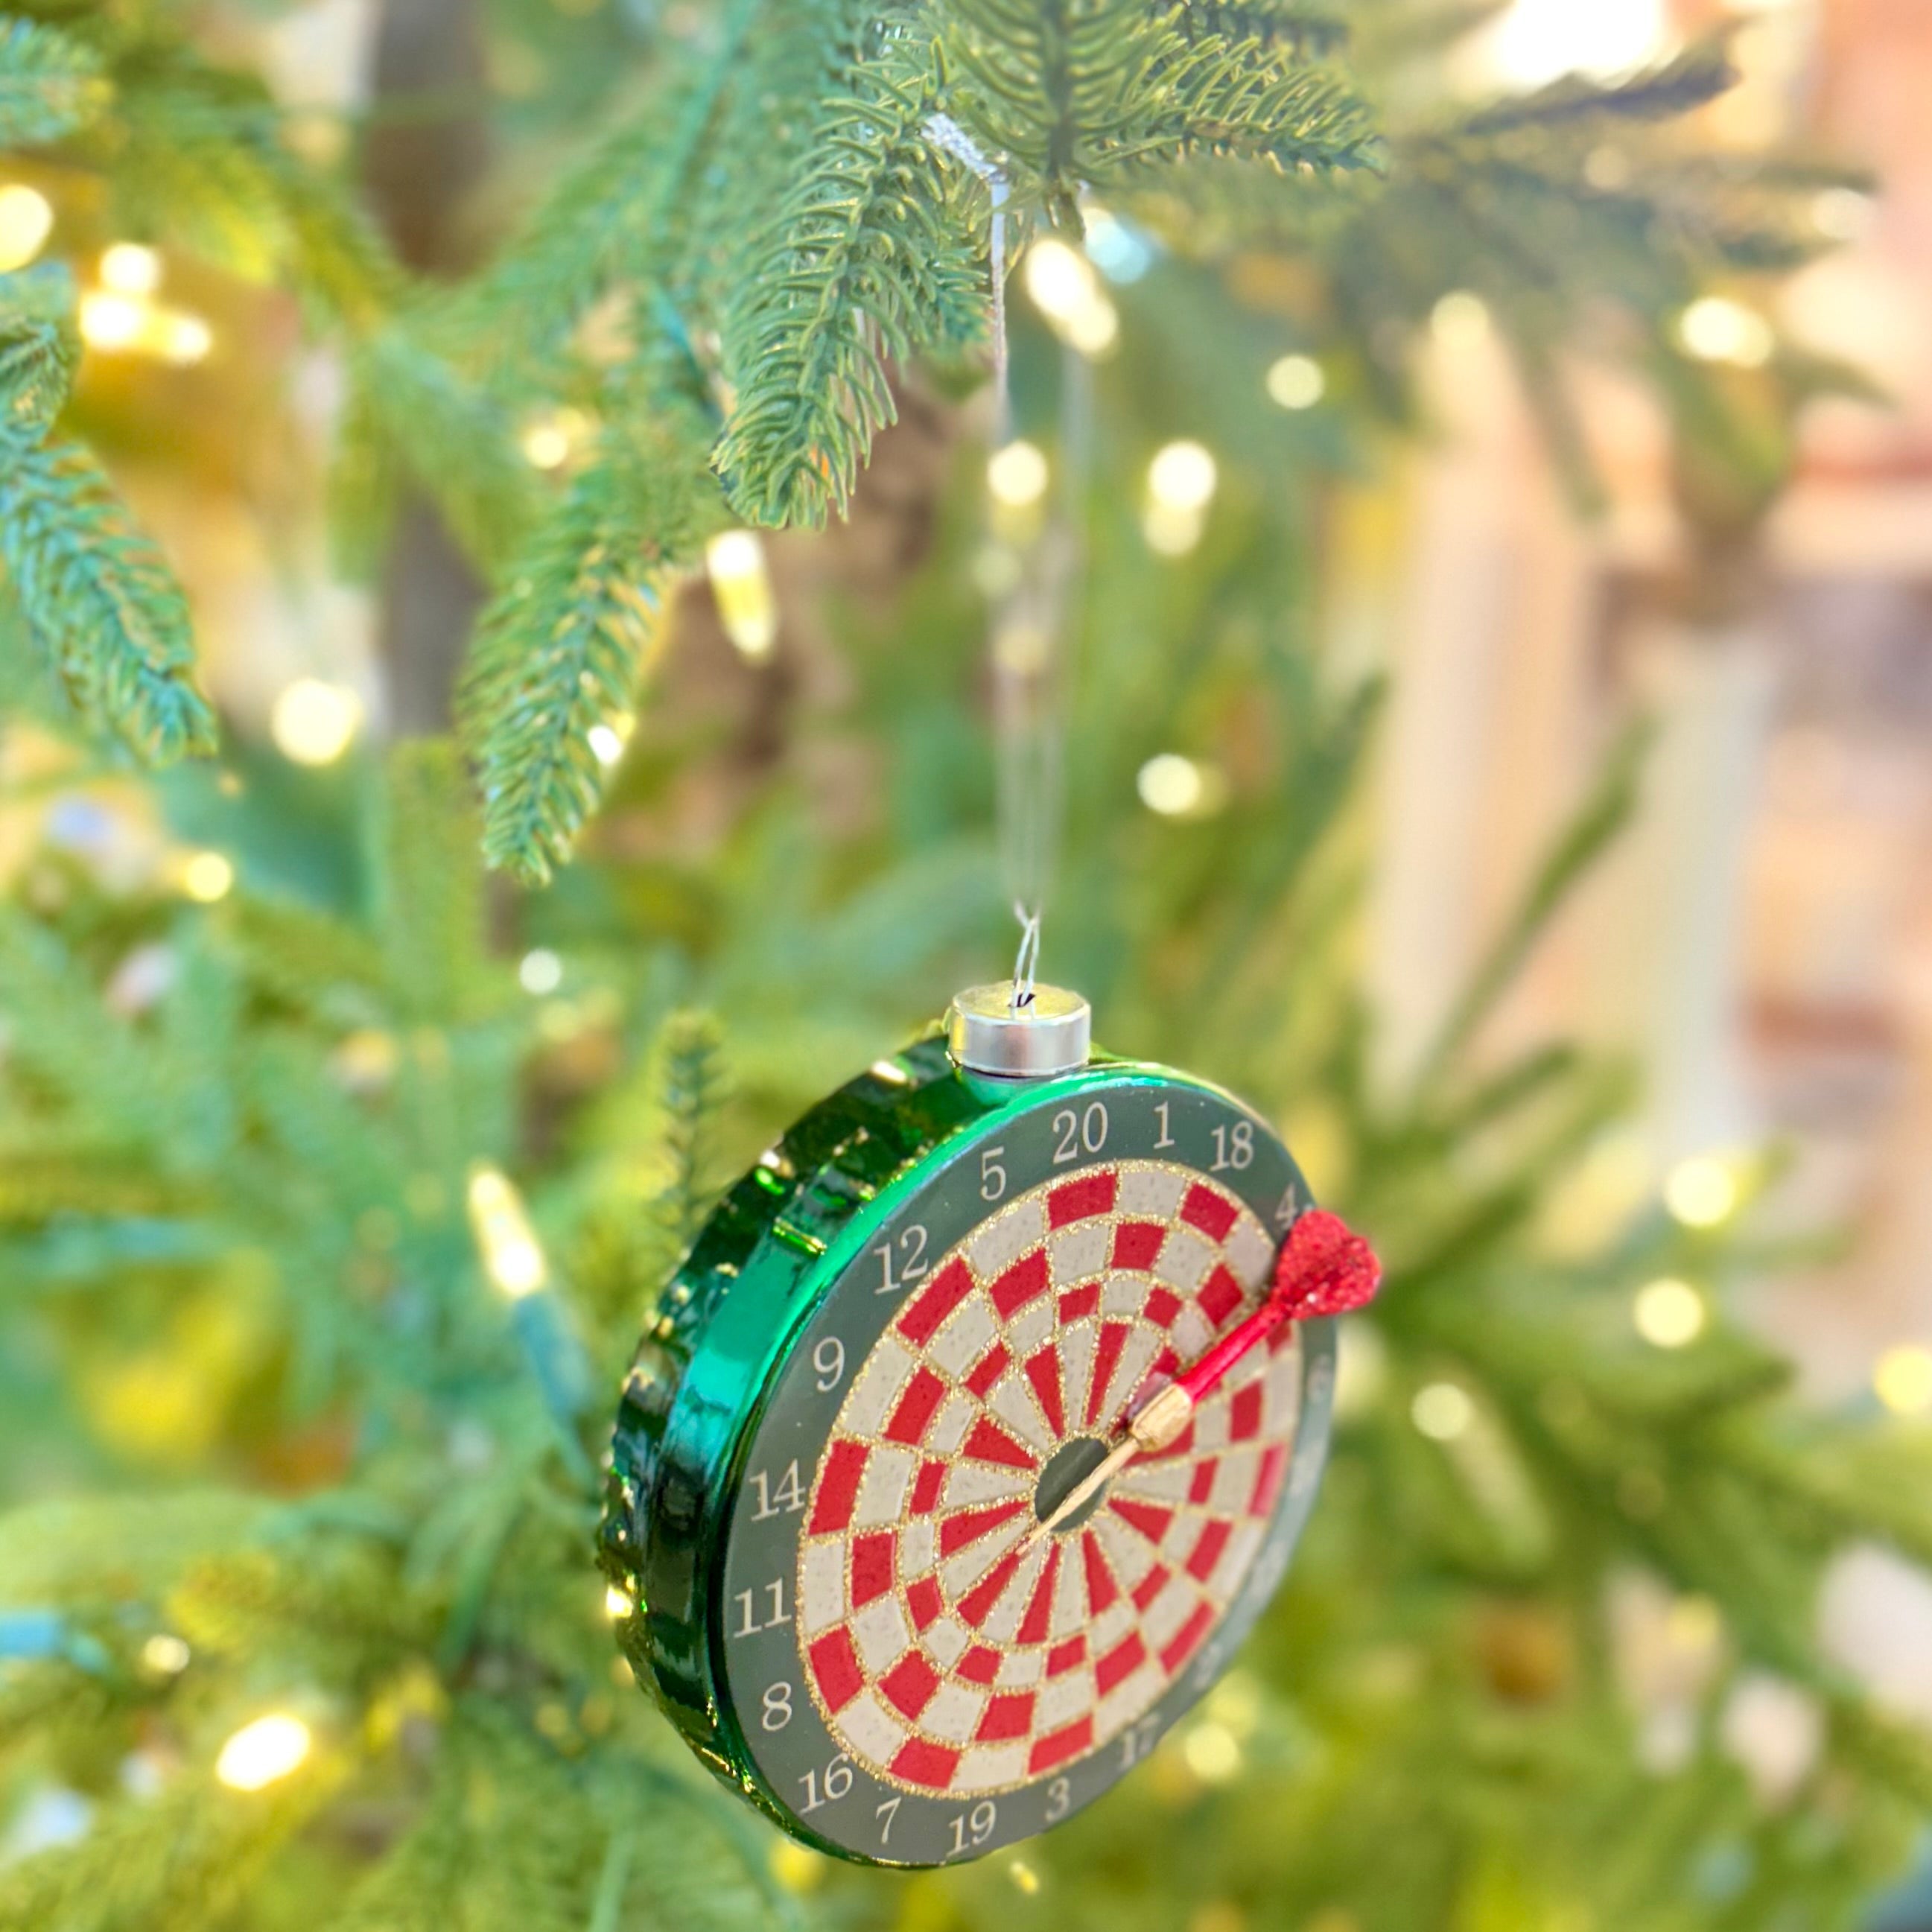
(1070, 1465)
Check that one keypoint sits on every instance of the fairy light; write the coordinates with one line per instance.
(1017, 474)
(504, 1238)
(261, 1753)
(130, 269)
(26, 220)
(1714, 329)
(606, 747)
(1213, 1753)
(545, 446)
(313, 723)
(617, 1603)
(164, 1654)
(1024, 1878)
(111, 321)
(1460, 320)
(1061, 284)
(1296, 381)
(1669, 1313)
(206, 877)
(1174, 786)
(741, 585)
(1183, 476)
(1701, 1191)
(1902, 1380)
(177, 336)
(540, 972)
(1059, 280)
(1181, 481)
(1442, 1412)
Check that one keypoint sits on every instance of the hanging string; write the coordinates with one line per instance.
(1027, 618)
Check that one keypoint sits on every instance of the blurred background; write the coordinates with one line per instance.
(1493, 637)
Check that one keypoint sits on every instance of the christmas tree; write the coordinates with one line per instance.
(341, 1169)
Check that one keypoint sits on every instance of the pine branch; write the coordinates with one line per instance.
(566, 644)
(620, 216)
(1699, 74)
(50, 84)
(1078, 94)
(99, 601)
(1305, 31)
(869, 261)
(39, 348)
(1247, 103)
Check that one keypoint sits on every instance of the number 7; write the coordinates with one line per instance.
(885, 1811)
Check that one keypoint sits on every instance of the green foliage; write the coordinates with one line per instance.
(99, 600)
(244, 1326)
(566, 646)
(38, 349)
(49, 85)
(870, 258)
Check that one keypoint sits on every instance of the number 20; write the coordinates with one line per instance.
(1088, 1130)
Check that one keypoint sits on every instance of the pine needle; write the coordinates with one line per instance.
(100, 601)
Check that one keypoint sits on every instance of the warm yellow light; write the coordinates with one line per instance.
(1172, 532)
(177, 336)
(1669, 1313)
(1064, 287)
(260, 1754)
(129, 269)
(504, 1238)
(165, 1655)
(111, 321)
(1094, 327)
(741, 585)
(1904, 1380)
(1460, 320)
(606, 747)
(617, 1602)
(1442, 1412)
(1183, 476)
(1715, 329)
(1296, 381)
(1701, 1191)
(541, 972)
(1023, 1876)
(26, 220)
(1212, 1752)
(545, 446)
(1059, 279)
(207, 876)
(313, 723)
(1017, 474)
(1174, 786)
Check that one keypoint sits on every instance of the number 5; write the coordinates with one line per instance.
(992, 1175)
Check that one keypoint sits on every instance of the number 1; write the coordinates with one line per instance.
(1166, 1136)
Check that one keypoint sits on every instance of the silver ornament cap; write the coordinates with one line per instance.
(1050, 1032)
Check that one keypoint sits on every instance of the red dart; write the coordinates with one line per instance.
(1323, 1268)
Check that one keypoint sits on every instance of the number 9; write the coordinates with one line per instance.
(828, 1359)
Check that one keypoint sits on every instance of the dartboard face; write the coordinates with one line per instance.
(918, 1671)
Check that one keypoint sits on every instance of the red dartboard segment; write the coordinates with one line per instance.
(931, 1628)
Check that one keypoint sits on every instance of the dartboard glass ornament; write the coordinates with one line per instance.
(854, 1536)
